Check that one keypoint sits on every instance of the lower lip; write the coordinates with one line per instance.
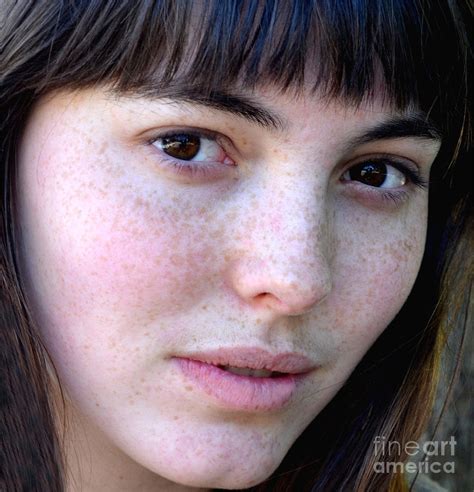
(240, 392)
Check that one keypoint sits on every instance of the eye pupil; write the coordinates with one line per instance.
(369, 173)
(182, 146)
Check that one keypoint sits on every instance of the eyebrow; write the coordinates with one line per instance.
(414, 125)
(234, 104)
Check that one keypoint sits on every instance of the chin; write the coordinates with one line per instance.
(237, 480)
(229, 475)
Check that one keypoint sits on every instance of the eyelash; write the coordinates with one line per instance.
(391, 196)
(205, 169)
(183, 169)
(190, 169)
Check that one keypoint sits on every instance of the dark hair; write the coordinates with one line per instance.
(416, 50)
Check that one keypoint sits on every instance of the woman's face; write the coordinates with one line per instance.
(163, 238)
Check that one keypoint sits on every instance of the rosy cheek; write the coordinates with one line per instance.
(132, 260)
(109, 246)
(373, 288)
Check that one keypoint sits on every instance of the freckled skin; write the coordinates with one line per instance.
(126, 265)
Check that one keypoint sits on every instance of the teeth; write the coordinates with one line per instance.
(244, 371)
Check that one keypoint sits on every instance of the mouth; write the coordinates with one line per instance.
(246, 379)
(254, 373)
(254, 359)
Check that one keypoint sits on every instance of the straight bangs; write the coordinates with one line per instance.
(348, 49)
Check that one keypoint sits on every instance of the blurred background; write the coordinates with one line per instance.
(458, 418)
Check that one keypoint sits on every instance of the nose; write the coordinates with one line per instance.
(285, 255)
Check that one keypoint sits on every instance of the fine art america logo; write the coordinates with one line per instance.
(426, 456)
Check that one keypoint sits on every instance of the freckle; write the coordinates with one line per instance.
(87, 346)
(147, 334)
(188, 388)
(175, 417)
(204, 308)
(96, 404)
(103, 147)
(142, 380)
(139, 202)
(408, 245)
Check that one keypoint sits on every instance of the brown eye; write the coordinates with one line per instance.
(197, 149)
(369, 173)
(378, 174)
(182, 146)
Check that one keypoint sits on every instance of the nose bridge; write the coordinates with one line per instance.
(286, 238)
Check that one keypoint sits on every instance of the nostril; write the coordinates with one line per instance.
(263, 298)
(292, 299)
(268, 300)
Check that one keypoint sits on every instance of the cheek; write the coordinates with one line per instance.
(106, 244)
(377, 268)
(137, 259)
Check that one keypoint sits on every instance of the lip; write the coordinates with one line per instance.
(245, 393)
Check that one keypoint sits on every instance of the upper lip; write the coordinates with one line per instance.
(255, 358)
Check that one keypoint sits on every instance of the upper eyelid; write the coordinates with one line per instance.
(401, 163)
(198, 132)
(417, 152)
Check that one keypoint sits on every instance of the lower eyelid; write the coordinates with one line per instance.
(193, 172)
(397, 198)
(374, 196)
